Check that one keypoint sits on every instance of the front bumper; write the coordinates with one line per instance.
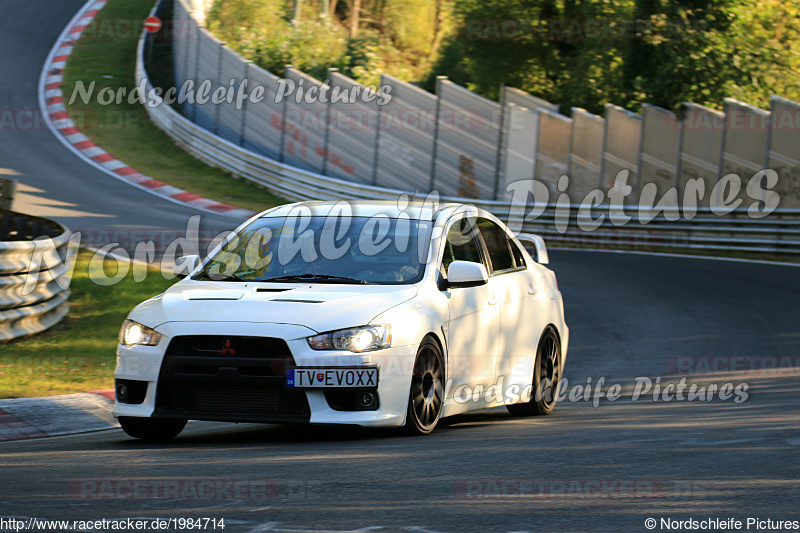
(242, 389)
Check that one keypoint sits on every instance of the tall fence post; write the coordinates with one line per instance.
(605, 146)
(376, 152)
(327, 135)
(770, 124)
(283, 118)
(196, 69)
(439, 80)
(571, 143)
(183, 35)
(219, 84)
(726, 109)
(638, 190)
(243, 110)
(681, 115)
(500, 140)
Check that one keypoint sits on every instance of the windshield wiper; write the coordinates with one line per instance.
(204, 276)
(315, 277)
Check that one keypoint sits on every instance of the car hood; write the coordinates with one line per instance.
(321, 307)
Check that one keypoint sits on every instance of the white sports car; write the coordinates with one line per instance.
(367, 313)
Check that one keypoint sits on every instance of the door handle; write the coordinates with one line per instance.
(532, 291)
(492, 299)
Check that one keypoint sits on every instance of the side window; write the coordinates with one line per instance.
(461, 245)
(497, 244)
(519, 259)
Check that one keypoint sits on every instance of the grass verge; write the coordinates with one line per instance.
(106, 55)
(77, 354)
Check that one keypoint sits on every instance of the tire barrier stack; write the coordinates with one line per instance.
(35, 270)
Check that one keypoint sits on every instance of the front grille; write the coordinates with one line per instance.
(235, 399)
(232, 345)
(222, 401)
(230, 378)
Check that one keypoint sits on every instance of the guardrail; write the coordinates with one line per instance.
(35, 270)
(778, 234)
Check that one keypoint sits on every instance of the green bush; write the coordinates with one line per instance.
(685, 50)
(400, 37)
(259, 31)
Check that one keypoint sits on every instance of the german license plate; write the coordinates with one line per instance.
(332, 378)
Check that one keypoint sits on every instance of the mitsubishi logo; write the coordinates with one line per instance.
(228, 350)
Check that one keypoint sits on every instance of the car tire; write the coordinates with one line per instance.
(546, 378)
(151, 429)
(426, 396)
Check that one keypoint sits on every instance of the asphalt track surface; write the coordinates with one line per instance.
(585, 468)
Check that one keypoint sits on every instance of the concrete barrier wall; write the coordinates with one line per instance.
(553, 151)
(519, 147)
(461, 144)
(586, 151)
(744, 148)
(702, 135)
(784, 149)
(622, 143)
(658, 158)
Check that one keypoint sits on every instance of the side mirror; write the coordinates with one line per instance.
(185, 265)
(466, 274)
(539, 247)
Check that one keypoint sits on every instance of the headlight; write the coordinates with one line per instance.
(132, 333)
(363, 339)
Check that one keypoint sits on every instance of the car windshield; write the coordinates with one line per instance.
(319, 249)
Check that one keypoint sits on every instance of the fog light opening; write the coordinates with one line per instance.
(366, 399)
(122, 392)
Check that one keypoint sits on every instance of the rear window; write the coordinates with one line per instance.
(519, 259)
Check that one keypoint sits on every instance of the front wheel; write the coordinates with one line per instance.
(426, 397)
(151, 429)
(546, 378)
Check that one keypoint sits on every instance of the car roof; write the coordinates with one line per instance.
(416, 210)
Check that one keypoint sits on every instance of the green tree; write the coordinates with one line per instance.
(764, 49)
(663, 52)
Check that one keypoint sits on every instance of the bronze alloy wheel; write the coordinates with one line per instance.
(546, 378)
(426, 397)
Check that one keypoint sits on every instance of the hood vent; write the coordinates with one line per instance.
(267, 289)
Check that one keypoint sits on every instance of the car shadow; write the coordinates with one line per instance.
(213, 433)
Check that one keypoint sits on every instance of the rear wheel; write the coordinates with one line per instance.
(151, 429)
(426, 397)
(546, 378)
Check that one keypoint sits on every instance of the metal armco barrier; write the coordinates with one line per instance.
(35, 270)
(587, 148)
